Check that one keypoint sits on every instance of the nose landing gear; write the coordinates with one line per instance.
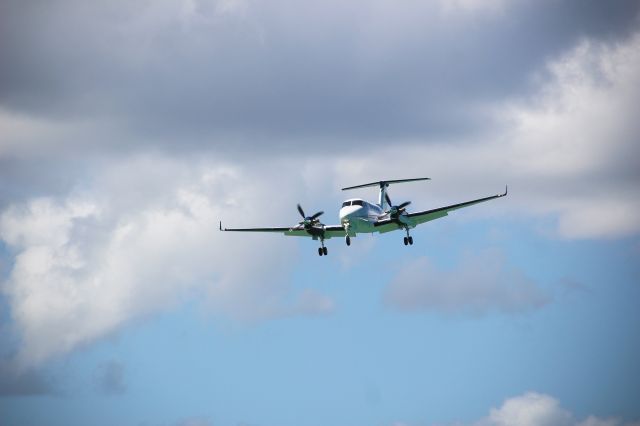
(347, 240)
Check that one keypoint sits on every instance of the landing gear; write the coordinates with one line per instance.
(347, 240)
(408, 240)
(322, 251)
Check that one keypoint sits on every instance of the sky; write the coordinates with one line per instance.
(130, 129)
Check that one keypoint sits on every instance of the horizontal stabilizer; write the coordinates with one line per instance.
(384, 183)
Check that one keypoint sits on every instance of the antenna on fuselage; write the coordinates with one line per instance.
(383, 184)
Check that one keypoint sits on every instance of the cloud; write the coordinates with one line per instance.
(581, 127)
(568, 150)
(535, 409)
(109, 378)
(142, 239)
(195, 421)
(480, 284)
(530, 409)
(16, 382)
(451, 89)
(116, 164)
(202, 72)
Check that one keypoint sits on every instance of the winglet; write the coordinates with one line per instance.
(221, 225)
(506, 190)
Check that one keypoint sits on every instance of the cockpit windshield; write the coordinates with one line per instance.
(352, 203)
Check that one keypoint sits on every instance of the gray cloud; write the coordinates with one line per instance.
(567, 151)
(19, 382)
(253, 73)
(122, 121)
(109, 378)
(481, 283)
(419, 88)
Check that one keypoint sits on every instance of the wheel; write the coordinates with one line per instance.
(320, 253)
(406, 241)
(348, 240)
(411, 240)
(325, 251)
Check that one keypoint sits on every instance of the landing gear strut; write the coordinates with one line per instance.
(408, 240)
(322, 250)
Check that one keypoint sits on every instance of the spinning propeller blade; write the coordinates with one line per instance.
(308, 220)
(395, 210)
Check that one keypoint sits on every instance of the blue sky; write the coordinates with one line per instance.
(129, 129)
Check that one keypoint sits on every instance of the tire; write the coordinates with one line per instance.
(406, 241)
(325, 251)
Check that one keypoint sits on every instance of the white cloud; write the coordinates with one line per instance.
(142, 239)
(138, 235)
(536, 409)
(530, 409)
(481, 283)
(581, 135)
(569, 151)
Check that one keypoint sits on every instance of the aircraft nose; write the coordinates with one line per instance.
(347, 212)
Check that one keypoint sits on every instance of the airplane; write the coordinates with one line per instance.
(358, 216)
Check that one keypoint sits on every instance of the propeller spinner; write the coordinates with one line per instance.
(309, 221)
(395, 211)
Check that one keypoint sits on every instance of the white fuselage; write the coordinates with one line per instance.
(358, 216)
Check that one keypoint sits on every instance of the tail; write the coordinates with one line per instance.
(383, 185)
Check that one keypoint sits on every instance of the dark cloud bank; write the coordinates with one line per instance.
(282, 74)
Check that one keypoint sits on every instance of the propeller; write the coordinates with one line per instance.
(395, 211)
(309, 221)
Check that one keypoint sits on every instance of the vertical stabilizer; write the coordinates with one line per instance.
(382, 199)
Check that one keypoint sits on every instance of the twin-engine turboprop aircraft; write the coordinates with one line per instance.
(358, 216)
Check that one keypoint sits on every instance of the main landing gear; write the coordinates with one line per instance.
(408, 240)
(322, 251)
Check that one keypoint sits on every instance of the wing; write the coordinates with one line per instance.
(329, 231)
(417, 218)
(333, 231)
(281, 230)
